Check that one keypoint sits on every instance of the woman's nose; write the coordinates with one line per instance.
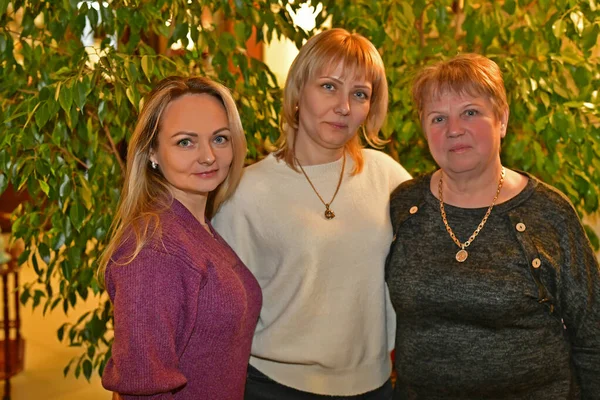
(206, 154)
(455, 127)
(343, 106)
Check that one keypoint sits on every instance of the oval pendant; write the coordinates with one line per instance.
(329, 214)
(462, 255)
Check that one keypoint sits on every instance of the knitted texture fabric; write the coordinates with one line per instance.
(492, 326)
(326, 325)
(185, 310)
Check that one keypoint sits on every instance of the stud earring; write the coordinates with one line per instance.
(154, 165)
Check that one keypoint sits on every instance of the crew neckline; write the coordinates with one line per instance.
(503, 207)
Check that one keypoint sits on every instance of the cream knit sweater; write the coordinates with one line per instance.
(326, 325)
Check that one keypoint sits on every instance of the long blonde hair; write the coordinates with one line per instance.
(145, 191)
(360, 59)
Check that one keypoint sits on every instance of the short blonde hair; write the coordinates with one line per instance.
(467, 73)
(360, 59)
(145, 191)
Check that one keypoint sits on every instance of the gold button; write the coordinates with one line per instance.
(521, 227)
(536, 263)
(413, 210)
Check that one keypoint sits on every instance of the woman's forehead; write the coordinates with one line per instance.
(343, 72)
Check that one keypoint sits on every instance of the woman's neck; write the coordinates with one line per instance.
(309, 152)
(478, 193)
(468, 190)
(195, 203)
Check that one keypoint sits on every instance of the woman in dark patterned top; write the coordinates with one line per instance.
(185, 306)
(494, 282)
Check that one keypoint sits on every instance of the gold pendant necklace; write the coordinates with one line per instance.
(329, 214)
(462, 254)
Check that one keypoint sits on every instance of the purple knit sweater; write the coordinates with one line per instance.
(185, 310)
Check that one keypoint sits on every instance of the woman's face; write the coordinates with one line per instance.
(194, 148)
(332, 106)
(463, 132)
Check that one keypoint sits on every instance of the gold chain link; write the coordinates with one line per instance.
(315, 189)
(483, 221)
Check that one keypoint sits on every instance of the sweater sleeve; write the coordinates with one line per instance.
(579, 302)
(396, 172)
(235, 226)
(149, 297)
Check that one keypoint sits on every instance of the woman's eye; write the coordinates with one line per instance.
(328, 86)
(221, 139)
(362, 95)
(184, 143)
(437, 120)
(471, 113)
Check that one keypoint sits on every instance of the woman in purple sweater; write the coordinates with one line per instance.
(185, 306)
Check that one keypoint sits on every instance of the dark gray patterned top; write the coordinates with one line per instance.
(492, 327)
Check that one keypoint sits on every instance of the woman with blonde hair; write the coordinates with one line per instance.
(185, 306)
(495, 285)
(311, 221)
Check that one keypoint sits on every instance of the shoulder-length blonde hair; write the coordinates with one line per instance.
(360, 59)
(145, 190)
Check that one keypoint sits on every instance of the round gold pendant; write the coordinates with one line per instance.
(329, 214)
(462, 255)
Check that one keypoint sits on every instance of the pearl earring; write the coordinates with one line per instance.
(154, 165)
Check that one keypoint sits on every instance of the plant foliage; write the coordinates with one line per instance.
(66, 119)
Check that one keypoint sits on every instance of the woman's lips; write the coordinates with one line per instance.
(459, 148)
(337, 125)
(206, 174)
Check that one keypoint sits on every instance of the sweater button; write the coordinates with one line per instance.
(536, 263)
(521, 227)
(413, 210)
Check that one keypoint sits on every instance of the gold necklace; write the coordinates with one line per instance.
(462, 254)
(329, 214)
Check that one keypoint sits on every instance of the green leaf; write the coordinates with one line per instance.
(67, 367)
(3, 182)
(577, 18)
(590, 36)
(558, 28)
(61, 331)
(147, 67)
(87, 369)
(65, 187)
(509, 6)
(91, 351)
(25, 295)
(65, 97)
(591, 234)
(42, 115)
(44, 252)
(44, 186)
(79, 94)
(37, 297)
(3, 6)
(242, 33)
(86, 193)
(102, 110)
(77, 214)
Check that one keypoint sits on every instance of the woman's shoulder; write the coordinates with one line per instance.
(380, 163)
(379, 157)
(412, 187)
(267, 165)
(548, 199)
(168, 243)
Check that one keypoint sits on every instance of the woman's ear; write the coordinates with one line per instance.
(152, 157)
(504, 123)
